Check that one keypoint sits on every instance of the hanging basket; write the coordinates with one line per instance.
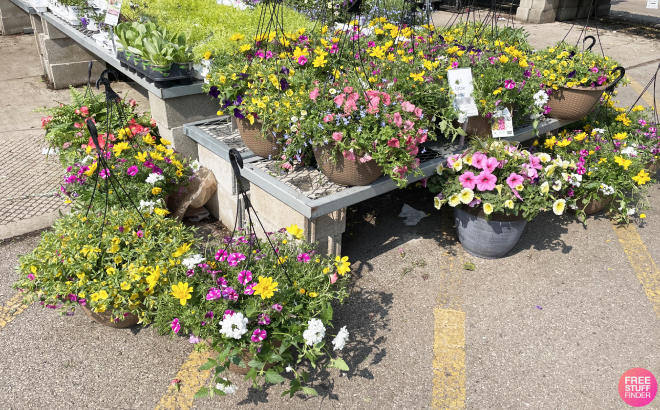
(262, 145)
(105, 319)
(345, 172)
(573, 104)
(487, 239)
(594, 206)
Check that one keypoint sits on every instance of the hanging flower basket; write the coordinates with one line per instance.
(260, 143)
(105, 318)
(344, 171)
(487, 239)
(573, 104)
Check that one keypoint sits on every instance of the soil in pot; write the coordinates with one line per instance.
(487, 239)
(346, 172)
(105, 318)
(574, 103)
(264, 145)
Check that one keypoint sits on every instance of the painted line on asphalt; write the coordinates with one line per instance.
(644, 266)
(12, 308)
(449, 359)
(191, 380)
(639, 89)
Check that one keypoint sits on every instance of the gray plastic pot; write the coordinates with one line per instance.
(487, 239)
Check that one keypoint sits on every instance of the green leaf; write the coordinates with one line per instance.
(201, 393)
(208, 365)
(236, 359)
(273, 377)
(310, 391)
(340, 364)
(304, 375)
(443, 125)
(256, 363)
(326, 314)
(274, 358)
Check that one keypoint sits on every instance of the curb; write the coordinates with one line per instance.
(30, 225)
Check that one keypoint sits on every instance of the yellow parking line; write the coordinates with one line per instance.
(191, 379)
(12, 308)
(641, 262)
(647, 96)
(449, 359)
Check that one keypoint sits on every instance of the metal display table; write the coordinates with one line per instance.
(25, 6)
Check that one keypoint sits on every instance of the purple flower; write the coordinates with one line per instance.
(594, 70)
(221, 281)
(235, 258)
(228, 313)
(249, 288)
(302, 60)
(546, 110)
(259, 334)
(132, 170)
(571, 74)
(277, 307)
(214, 294)
(73, 298)
(264, 319)
(230, 293)
(244, 277)
(139, 234)
(303, 257)
(176, 326)
(31, 276)
(194, 339)
(121, 229)
(209, 315)
(214, 92)
(190, 273)
(104, 173)
(509, 84)
(82, 301)
(221, 255)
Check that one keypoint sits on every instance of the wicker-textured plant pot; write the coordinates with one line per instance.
(105, 319)
(653, 167)
(594, 206)
(574, 103)
(260, 144)
(345, 172)
(487, 239)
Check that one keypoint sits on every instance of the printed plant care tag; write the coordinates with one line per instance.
(114, 8)
(460, 81)
(651, 4)
(502, 124)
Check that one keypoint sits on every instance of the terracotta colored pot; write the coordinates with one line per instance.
(260, 143)
(105, 319)
(574, 103)
(345, 172)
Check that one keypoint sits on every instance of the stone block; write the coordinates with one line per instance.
(541, 16)
(522, 14)
(222, 170)
(544, 4)
(66, 50)
(180, 141)
(51, 31)
(275, 214)
(564, 14)
(44, 64)
(174, 112)
(224, 207)
(37, 24)
(583, 12)
(72, 74)
(13, 24)
(567, 4)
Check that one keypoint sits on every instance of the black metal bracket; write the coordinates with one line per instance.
(620, 69)
(593, 42)
(110, 94)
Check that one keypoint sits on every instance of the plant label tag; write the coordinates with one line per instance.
(502, 124)
(460, 81)
(112, 16)
(651, 4)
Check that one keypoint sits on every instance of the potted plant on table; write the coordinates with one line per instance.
(114, 266)
(495, 187)
(258, 306)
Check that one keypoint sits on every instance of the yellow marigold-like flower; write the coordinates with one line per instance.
(156, 190)
(638, 108)
(625, 163)
(182, 292)
(312, 294)
(642, 178)
(302, 291)
(342, 265)
(141, 156)
(148, 139)
(504, 59)
(207, 55)
(418, 76)
(295, 231)
(245, 47)
(237, 37)
(266, 287)
(161, 211)
(498, 91)
(181, 250)
(620, 136)
(91, 169)
(118, 148)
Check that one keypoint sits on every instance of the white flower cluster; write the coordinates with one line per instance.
(234, 326)
(540, 98)
(631, 211)
(153, 178)
(227, 389)
(599, 130)
(315, 332)
(192, 261)
(195, 165)
(86, 159)
(630, 151)
(575, 180)
(340, 341)
(147, 204)
(606, 189)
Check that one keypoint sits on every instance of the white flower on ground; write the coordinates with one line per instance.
(289, 369)
(192, 261)
(559, 206)
(340, 341)
(315, 332)
(195, 165)
(227, 389)
(234, 326)
(153, 178)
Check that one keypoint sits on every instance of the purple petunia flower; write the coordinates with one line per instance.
(214, 294)
(244, 277)
(264, 319)
(259, 335)
(303, 257)
(209, 315)
(176, 326)
(277, 307)
(139, 234)
(132, 170)
(230, 293)
(249, 288)
(235, 258)
(221, 281)
(227, 314)
(221, 255)
(30, 276)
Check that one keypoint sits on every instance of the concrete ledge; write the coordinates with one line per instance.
(13, 19)
(72, 74)
(30, 225)
(51, 31)
(64, 50)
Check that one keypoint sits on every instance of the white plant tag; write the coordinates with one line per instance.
(502, 124)
(651, 4)
(112, 16)
(460, 81)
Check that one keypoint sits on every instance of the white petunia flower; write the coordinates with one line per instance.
(315, 332)
(340, 341)
(230, 389)
(540, 98)
(153, 178)
(149, 205)
(606, 189)
(599, 130)
(234, 326)
(87, 158)
(195, 165)
(630, 151)
(192, 261)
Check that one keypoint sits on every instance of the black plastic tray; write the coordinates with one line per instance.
(177, 74)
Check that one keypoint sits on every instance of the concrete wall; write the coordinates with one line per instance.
(13, 19)
(547, 11)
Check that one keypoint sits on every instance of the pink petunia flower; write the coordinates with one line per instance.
(139, 234)
(366, 158)
(314, 94)
(407, 106)
(468, 180)
(304, 257)
(228, 313)
(514, 180)
(264, 319)
(235, 258)
(259, 335)
(349, 155)
(249, 288)
(486, 181)
(337, 136)
(132, 170)
(244, 277)
(84, 110)
(394, 143)
(477, 160)
(490, 164)
(302, 60)
(339, 100)
(214, 294)
(277, 307)
(397, 119)
(175, 326)
(221, 255)
(30, 276)
(328, 118)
